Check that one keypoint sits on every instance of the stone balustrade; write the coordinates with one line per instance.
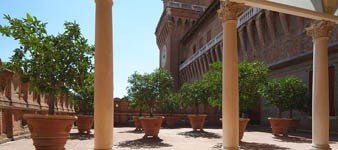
(17, 99)
(15, 94)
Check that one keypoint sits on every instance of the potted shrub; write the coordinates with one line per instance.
(136, 98)
(152, 90)
(139, 105)
(251, 76)
(282, 93)
(84, 105)
(169, 106)
(193, 95)
(52, 64)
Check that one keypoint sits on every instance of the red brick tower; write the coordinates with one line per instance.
(177, 17)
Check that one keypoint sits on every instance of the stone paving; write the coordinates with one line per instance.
(182, 139)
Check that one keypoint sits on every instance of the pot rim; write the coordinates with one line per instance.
(51, 117)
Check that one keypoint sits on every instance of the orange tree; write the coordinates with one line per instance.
(194, 94)
(287, 94)
(149, 90)
(84, 96)
(51, 63)
(251, 76)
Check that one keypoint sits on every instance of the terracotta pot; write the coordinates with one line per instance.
(197, 121)
(294, 123)
(137, 123)
(84, 123)
(49, 132)
(171, 121)
(151, 126)
(243, 122)
(279, 126)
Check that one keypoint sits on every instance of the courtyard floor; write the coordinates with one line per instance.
(183, 139)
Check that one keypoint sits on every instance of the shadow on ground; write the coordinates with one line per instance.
(293, 139)
(132, 131)
(203, 134)
(253, 146)
(78, 136)
(143, 143)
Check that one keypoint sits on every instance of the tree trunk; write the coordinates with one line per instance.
(51, 100)
(291, 112)
(140, 112)
(197, 109)
(151, 112)
(279, 113)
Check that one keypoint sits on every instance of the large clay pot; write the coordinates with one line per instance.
(49, 132)
(84, 123)
(151, 126)
(171, 121)
(197, 121)
(137, 123)
(294, 123)
(279, 126)
(243, 122)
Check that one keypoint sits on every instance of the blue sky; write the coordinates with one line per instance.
(134, 23)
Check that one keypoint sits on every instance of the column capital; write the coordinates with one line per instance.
(320, 29)
(229, 10)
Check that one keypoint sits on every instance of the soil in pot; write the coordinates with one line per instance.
(151, 126)
(49, 132)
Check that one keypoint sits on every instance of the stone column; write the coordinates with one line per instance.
(320, 89)
(103, 80)
(228, 14)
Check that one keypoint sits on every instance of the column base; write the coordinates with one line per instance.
(230, 148)
(320, 147)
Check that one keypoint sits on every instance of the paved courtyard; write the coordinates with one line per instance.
(182, 139)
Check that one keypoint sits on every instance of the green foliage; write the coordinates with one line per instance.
(5, 65)
(171, 103)
(84, 98)
(194, 94)
(213, 78)
(286, 93)
(148, 90)
(251, 75)
(52, 64)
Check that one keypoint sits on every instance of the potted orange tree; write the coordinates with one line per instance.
(283, 93)
(53, 65)
(193, 95)
(251, 76)
(169, 106)
(135, 97)
(84, 105)
(153, 89)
